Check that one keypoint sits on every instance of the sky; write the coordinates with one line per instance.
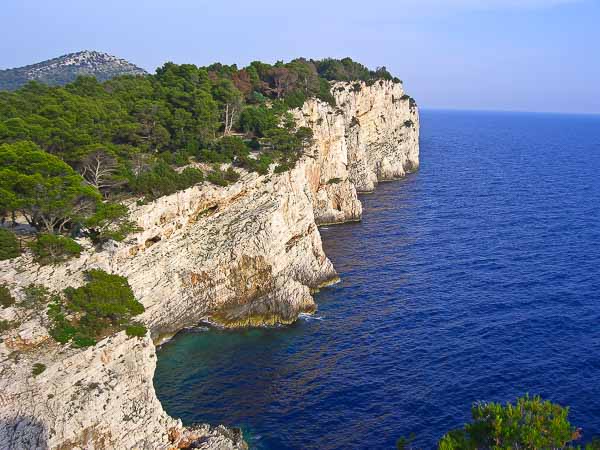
(524, 55)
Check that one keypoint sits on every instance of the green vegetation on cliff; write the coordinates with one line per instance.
(9, 245)
(105, 304)
(67, 151)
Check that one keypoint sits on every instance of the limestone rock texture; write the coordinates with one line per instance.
(242, 255)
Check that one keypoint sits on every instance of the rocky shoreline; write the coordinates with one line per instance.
(249, 254)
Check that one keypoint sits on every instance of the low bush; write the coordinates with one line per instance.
(231, 175)
(53, 248)
(6, 325)
(260, 165)
(295, 99)
(105, 304)
(6, 298)
(283, 167)
(38, 368)
(110, 221)
(136, 330)
(9, 245)
(412, 103)
(223, 177)
(35, 294)
(217, 177)
(162, 179)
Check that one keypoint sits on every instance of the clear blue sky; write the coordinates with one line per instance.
(531, 55)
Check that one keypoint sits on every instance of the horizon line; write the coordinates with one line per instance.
(517, 111)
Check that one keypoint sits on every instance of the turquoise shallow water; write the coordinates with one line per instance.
(477, 278)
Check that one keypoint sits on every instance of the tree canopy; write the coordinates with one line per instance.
(64, 149)
(42, 187)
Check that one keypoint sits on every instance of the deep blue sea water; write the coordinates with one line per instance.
(477, 278)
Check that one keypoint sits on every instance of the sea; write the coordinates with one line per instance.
(476, 278)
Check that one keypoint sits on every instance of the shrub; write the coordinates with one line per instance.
(334, 181)
(82, 339)
(231, 175)
(38, 368)
(405, 443)
(211, 156)
(105, 296)
(283, 167)
(530, 423)
(162, 179)
(6, 298)
(35, 294)
(110, 221)
(325, 93)
(136, 330)
(412, 103)
(104, 304)
(260, 165)
(9, 245)
(6, 325)
(190, 176)
(295, 99)
(216, 177)
(53, 249)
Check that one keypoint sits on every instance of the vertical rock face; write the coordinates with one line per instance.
(371, 135)
(382, 133)
(246, 254)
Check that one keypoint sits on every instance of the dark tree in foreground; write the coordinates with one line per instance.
(530, 423)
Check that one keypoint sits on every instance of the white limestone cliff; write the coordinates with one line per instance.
(246, 254)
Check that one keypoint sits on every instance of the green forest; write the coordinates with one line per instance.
(68, 154)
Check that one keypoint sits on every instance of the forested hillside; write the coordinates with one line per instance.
(68, 153)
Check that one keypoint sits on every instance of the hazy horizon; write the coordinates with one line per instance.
(527, 55)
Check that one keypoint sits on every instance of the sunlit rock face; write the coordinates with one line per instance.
(246, 254)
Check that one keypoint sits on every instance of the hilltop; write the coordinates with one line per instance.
(66, 68)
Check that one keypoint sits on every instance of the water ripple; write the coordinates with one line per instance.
(475, 279)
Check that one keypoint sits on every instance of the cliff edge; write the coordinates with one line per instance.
(246, 254)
